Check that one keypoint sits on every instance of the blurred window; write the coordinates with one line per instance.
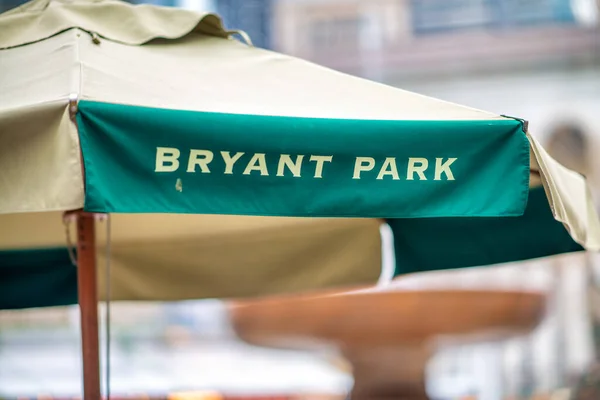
(6, 5)
(437, 16)
(336, 34)
(252, 16)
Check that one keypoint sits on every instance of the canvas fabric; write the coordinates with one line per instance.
(81, 50)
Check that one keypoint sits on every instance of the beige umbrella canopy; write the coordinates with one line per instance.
(174, 257)
(55, 53)
(153, 257)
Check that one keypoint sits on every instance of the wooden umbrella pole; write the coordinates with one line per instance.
(88, 304)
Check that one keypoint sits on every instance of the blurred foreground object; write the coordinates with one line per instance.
(588, 386)
(197, 395)
(387, 337)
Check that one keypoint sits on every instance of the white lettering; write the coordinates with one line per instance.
(389, 168)
(167, 159)
(419, 169)
(201, 158)
(286, 161)
(363, 164)
(319, 166)
(230, 161)
(257, 163)
(443, 168)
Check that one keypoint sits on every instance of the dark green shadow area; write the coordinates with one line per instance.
(37, 278)
(447, 243)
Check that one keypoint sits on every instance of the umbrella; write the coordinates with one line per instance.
(284, 137)
(136, 110)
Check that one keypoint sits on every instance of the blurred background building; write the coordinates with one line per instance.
(534, 59)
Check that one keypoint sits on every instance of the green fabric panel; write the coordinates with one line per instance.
(125, 171)
(445, 243)
(37, 278)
